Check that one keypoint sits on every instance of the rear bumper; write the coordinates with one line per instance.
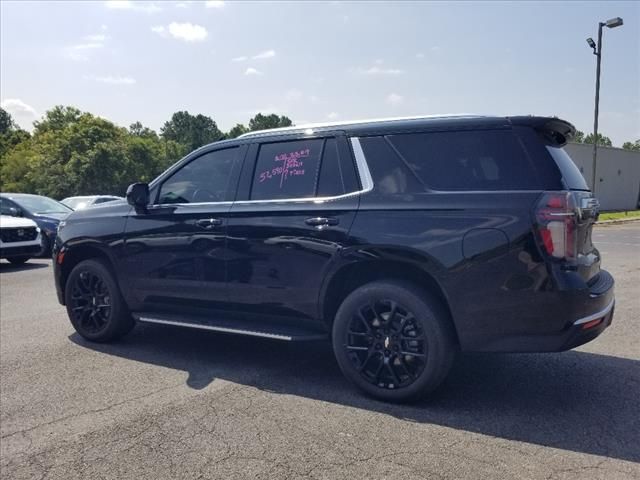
(589, 314)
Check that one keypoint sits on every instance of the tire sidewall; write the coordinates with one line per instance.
(432, 318)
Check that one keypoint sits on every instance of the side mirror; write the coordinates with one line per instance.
(15, 212)
(138, 195)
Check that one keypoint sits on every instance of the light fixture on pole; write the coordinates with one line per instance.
(597, 51)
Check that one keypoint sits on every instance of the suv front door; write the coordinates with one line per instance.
(175, 252)
(296, 202)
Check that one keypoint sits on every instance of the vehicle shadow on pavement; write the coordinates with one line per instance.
(575, 401)
(9, 267)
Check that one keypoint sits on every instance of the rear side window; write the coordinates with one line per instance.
(570, 172)
(467, 160)
(301, 169)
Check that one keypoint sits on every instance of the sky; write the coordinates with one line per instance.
(320, 61)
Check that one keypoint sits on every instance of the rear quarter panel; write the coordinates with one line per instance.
(480, 249)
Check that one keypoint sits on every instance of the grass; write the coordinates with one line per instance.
(619, 215)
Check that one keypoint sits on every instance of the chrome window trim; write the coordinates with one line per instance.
(361, 166)
(596, 315)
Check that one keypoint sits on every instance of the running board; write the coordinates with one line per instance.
(275, 332)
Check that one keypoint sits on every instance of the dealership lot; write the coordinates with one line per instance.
(172, 403)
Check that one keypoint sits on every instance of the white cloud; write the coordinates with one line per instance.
(104, 28)
(17, 107)
(142, 6)
(314, 99)
(112, 80)
(264, 55)
(214, 4)
(376, 70)
(378, 61)
(394, 99)
(420, 55)
(100, 37)
(293, 95)
(82, 51)
(435, 49)
(252, 71)
(333, 115)
(187, 32)
(239, 59)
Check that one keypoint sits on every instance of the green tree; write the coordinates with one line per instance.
(6, 122)
(236, 131)
(265, 122)
(578, 137)
(193, 131)
(138, 130)
(602, 140)
(635, 146)
(58, 118)
(10, 133)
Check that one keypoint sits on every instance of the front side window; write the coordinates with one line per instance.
(202, 180)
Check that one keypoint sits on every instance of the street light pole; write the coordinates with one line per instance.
(598, 54)
(597, 51)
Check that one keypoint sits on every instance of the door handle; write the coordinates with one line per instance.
(321, 221)
(208, 223)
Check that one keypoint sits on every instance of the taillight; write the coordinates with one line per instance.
(556, 219)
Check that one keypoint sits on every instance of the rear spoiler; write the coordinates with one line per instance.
(555, 131)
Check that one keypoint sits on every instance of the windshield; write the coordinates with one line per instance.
(41, 205)
(76, 202)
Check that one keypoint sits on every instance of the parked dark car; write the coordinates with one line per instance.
(402, 241)
(45, 211)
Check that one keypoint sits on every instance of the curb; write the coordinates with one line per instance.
(618, 220)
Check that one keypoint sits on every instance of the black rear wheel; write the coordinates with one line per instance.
(393, 340)
(95, 306)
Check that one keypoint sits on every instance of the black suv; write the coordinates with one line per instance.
(403, 241)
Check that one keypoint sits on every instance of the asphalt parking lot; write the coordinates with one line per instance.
(173, 403)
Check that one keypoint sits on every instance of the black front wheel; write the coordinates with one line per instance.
(393, 340)
(94, 303)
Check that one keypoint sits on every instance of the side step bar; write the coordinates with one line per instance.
(279, 332)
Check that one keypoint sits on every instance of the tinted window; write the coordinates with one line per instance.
(287, 170)
(470, 160)
(204, 179)
(331, 182)
(570, 172)
(6, 206)
(390, 174)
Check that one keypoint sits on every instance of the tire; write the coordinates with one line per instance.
(392, 353)
(18, 260)
(94, 303)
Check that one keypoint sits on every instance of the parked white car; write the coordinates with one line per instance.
(19, 239)
(80, 203)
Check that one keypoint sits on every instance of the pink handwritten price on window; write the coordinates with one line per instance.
(290, 165)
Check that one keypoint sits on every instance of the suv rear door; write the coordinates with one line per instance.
(296, 202)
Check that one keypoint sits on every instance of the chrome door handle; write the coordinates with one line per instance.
(208, 223)
(321, 221)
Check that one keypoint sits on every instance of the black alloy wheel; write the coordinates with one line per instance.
(386, 344)
(393, 340)
(91, 302)
(94, 303)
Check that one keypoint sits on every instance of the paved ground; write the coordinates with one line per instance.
(169, 403)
